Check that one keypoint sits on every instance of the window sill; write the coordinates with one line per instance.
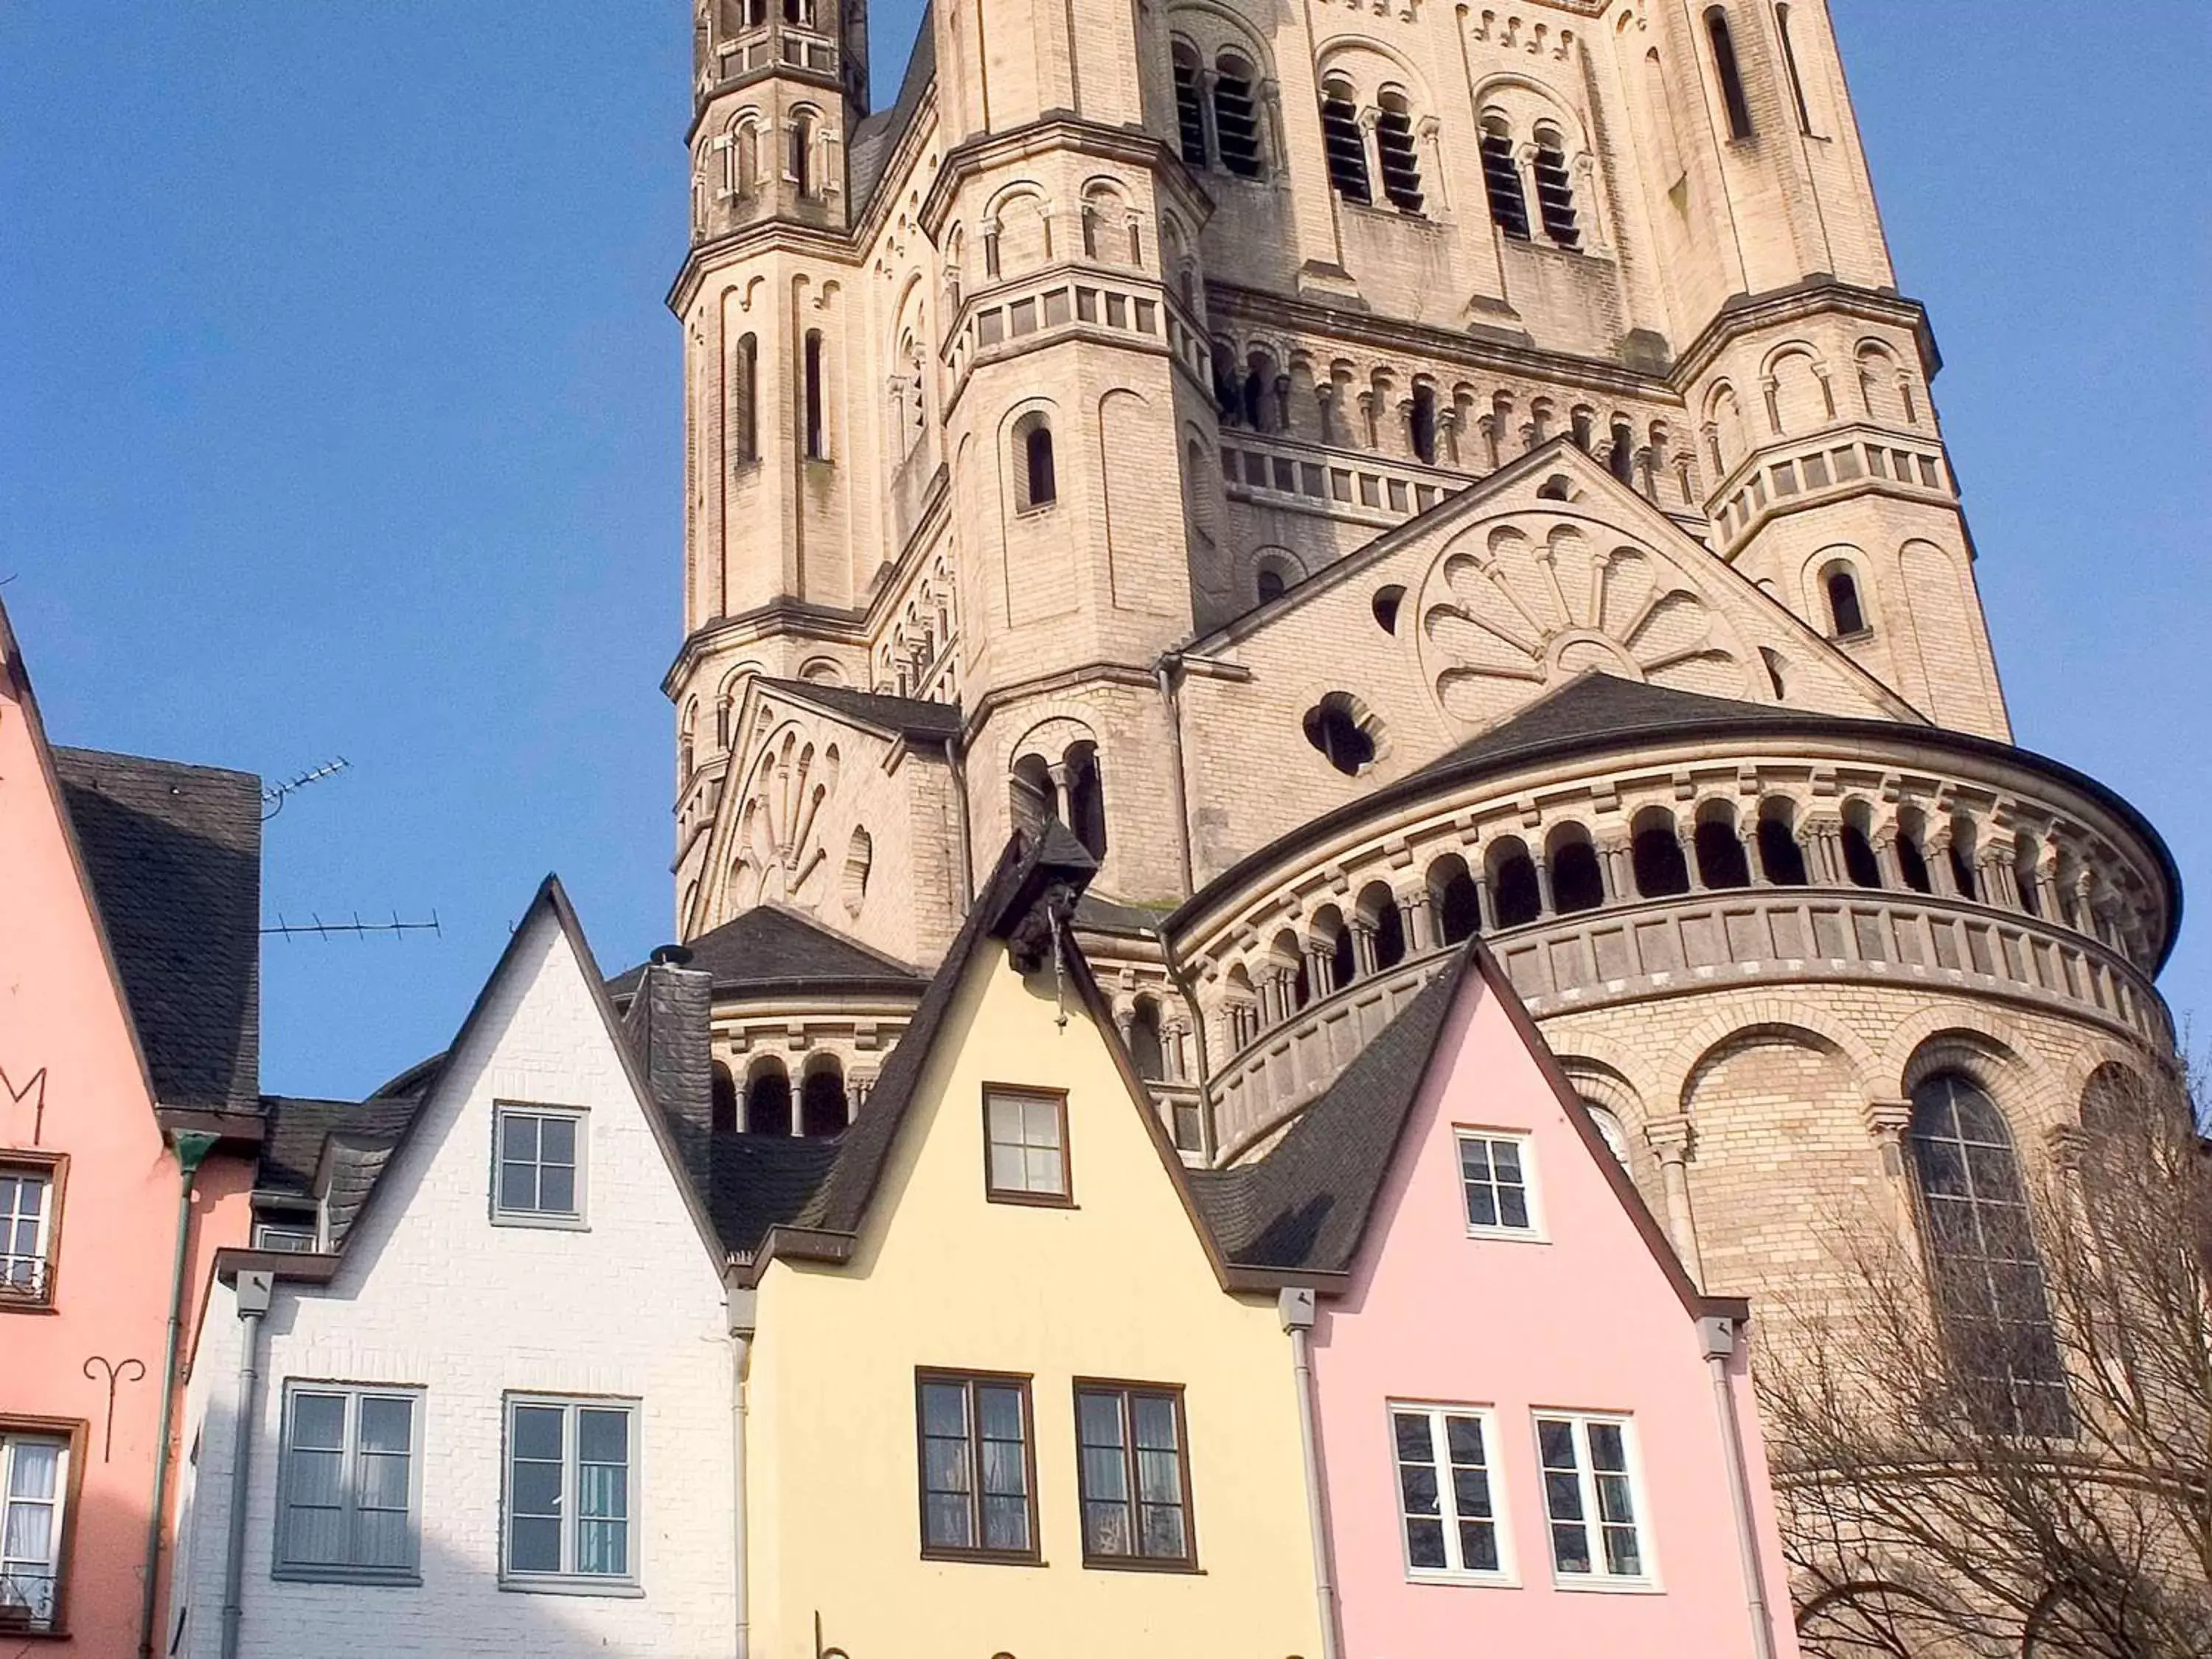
(985, 1557)
(558, 1223)
(9, 1306)
(1592, 1584)
(1040, 510)
(1032, 1201)
(1508, 1235)
(410, 1577)
(1138, 1563)
(619, 1590)
(1466, 1580)
(1857, 637)
(24, 1633)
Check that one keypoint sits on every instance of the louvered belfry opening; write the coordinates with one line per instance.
(1236, 117)
(1555, 192)
(1501, 179)
(1190, 114)
(1340, 140)
(1401, 165)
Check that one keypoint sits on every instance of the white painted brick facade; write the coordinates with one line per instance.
(432, 1294)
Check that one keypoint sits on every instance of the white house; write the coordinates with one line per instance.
(492, 1409)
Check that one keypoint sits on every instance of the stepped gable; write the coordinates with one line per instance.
(770, 946)
(174, 854)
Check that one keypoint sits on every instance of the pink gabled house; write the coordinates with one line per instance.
(130, 903)
(1534, 1436)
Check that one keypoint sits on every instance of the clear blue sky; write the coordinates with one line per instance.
(339, 416)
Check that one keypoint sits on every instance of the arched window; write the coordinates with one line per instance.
(802, 151)
(1513, 887)
(1421, 423)
(1790, 65)
(1343, 954)
(1190, 114)
(768, 1099)
(1860, 864)
(1271, 580)
(1728, 72)
(1385, 606)
(1258, 392)
(1236, 117)
(1779, 855)
(1576, 882)
(687, 746)
(1656, 852)
(821, 1107)
(1961, 853)
(745, 394)
(1845, 614)
(1029, 795)
(722, 1100)
(1984, 1271)
(1453, 898)
(817, 448)
(1911, 862)
(1146, 1050)
(1620, 457)
(1379, 907)
(1036, 483)
(1555, 190)
(1333, 726)
(1720, 860)
(2026, 856)
(1343, 143)
(1501, 179)
(1393, 146)
(1086, 797)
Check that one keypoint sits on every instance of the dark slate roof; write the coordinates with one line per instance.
(877, 136)
(768, 945)
(298, 1129)
(1598, 705)
(173, 853)
(916, 717)
(763, 1180)
(1105, 916)
(1305, 1204)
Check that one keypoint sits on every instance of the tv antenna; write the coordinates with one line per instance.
(274, 795)
(356, 927)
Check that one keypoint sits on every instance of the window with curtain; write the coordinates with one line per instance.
(1133, 1474)
(34, 1477)
(349, 1499)
(570, 1493)
(978, 1485)
(1590, 1499)
(27, 1226)
(1984, 1271)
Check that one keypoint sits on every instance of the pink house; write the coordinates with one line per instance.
(1534, 1435)
(129, 940)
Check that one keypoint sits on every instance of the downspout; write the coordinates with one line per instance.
(743, 1302)
(1166, 671)
(192, 1146)
(958, 763)
(1719, 1335)
(254, 1290)
(1296, 1309)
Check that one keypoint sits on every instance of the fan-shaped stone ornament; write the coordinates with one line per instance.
(778, 854)
(1510, 610)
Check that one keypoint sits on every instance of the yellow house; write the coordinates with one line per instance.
(1005, 1397)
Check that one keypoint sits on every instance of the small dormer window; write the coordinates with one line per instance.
(537, 1165)
(1026, 1132)
(1495, 1179)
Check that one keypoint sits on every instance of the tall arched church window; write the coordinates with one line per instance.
(1086, 799)
(812, 392)
(1860, 863)
(802, 153)
(1190, 114)
(1237, 116)
(1393, 146)
(1036, 483)
(1421, 423)
(745, 394)
(1343, 143)
(1620, 458)
(1984, 1272)
(1789, 66)
(1501, 179)
(821, 1109)
(1555, 190)
(1728, 72)
(1146, 1050)
(1845, 613)
(768, 1100)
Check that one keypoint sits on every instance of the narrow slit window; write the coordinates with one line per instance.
(1501, 180)
(1843, 607)
(1037, 484)
(1555, 191)
(1729, 72)
(802, 153)
(1421, 423)
(1394, 145)
(1236, 117)
(1344, 144)
(745, 393)
(816, 447)
(1789, 66)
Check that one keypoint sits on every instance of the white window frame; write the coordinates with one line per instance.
(578, 1219)
(1525, 1144)
(568, 1580)
(40, 1293)
(1434, 1413)
(1579, 1423)
(349, 1572)
(51, 1565)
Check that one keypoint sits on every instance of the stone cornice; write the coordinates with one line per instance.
(1132, 145)
(777, 618)
(1814, 296)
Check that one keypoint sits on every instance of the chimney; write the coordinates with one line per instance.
(667, 1025)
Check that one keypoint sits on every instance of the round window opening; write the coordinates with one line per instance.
(1344, 731)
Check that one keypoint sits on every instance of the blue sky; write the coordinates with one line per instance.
(339, 416)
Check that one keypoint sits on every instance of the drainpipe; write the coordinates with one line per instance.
(742, 1304)
(192, 1146)
(958, 763)
(1165, 672)
(1296, 1309)
(1719, 1337)
(254, 1291)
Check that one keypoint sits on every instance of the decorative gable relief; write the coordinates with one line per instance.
(778, 857)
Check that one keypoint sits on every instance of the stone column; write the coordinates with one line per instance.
(1058, 772)
(1747, 834)
(1320, 970)
(1887, 1121)
(857, 1088)
(1485, 902)
(1670, 1139)
(1687, 837)
(1419, 918)
(1544, 907)
(1886, 858)
(1612, 864)
(1363, 947)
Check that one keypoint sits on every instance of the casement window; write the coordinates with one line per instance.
(571, 1495)
(290, 1227)
(1591, 1501)
(1025, 1135)
(1497, 1180)
(537, 1176)
(36, 1489)
(1132, 1471)
(349, 1491)
(978, 1465)
(1448, 1503)
(29, 1195)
